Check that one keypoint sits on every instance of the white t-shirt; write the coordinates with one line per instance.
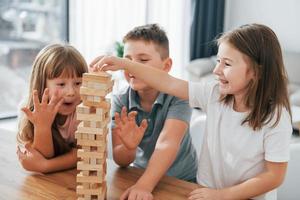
(232, 153)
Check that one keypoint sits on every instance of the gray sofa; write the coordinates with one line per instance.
(203, 67)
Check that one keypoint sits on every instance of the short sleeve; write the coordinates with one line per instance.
(277, 141)
(200, 93)
(179, 109)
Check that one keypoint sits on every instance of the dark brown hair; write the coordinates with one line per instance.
(150, 33)
(51, 62)
(267, 95)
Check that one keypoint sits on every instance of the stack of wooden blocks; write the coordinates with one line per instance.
(91, 135)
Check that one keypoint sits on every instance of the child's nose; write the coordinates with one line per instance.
(70, 91)
(217, 68)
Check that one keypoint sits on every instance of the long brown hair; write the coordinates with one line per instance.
(267, 94)
(51, 62)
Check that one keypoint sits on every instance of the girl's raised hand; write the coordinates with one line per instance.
(44, 112)
(126, 128)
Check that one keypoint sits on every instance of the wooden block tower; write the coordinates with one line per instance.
(91, 134)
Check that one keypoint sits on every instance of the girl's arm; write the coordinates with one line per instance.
(42, 141)
(153, 77)
(165, 152)
(262, 183)
(32, 160)
(42, 118)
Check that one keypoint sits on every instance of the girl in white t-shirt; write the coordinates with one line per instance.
(246, 143)
(47, 127)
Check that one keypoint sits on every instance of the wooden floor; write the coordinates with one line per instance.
(16, 183)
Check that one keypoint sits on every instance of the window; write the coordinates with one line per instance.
(26, 26)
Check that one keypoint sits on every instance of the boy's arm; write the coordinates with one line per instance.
(32, 160)
(166, 147)
(260, 184)
(153, 77)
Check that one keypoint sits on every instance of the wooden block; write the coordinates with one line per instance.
(93, 124)
(101, 86)
(89, 97)
(95, 143)
(102, 189)
(90, 130)
(91, 117)
(94, 92)
(85, 109)
(84, 154)
(98, 77)
(80, 178)
(98, 191)
(105, 103)
(84, 166)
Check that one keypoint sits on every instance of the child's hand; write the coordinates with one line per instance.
(126, 128)
(205, 193)
(44, 112)
(136, 192)
(105, 63)
(31, 159)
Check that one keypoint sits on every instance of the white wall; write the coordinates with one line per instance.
(282, 16)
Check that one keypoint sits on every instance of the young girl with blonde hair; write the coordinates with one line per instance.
(248, 127)
(48, 124)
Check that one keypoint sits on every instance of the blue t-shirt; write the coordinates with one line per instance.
(164, 107)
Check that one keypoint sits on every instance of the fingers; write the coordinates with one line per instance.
(117, 118)
(125, 194)
(57, 106)
(132, 115)
(20, 154)
(124, 117)
(143, 126)
(97, 59)
(36, 101)
(132, 196)
(55, 98)
(45, 97)
(28, 113)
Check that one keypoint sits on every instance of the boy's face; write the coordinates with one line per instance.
(146, 53)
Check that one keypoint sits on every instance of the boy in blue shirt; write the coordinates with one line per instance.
(151, 129)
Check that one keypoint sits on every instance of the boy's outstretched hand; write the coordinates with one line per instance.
(126, 128)
(105, 63)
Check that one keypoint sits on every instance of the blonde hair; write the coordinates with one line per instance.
(267, 94)
(51, 62)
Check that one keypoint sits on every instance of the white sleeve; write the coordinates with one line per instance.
(200, 93)
(277, 140)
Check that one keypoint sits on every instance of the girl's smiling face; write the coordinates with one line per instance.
(233, 71)
(68, 89)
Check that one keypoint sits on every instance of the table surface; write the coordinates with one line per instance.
(16, 183)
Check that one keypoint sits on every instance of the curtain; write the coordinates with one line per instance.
(207, 23)
(95, 25)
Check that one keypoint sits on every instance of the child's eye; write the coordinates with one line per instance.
(218, 60)
(78, 83)
(60, 84)
(227, 64)
(144, 60)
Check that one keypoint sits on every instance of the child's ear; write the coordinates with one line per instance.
(167, 64)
